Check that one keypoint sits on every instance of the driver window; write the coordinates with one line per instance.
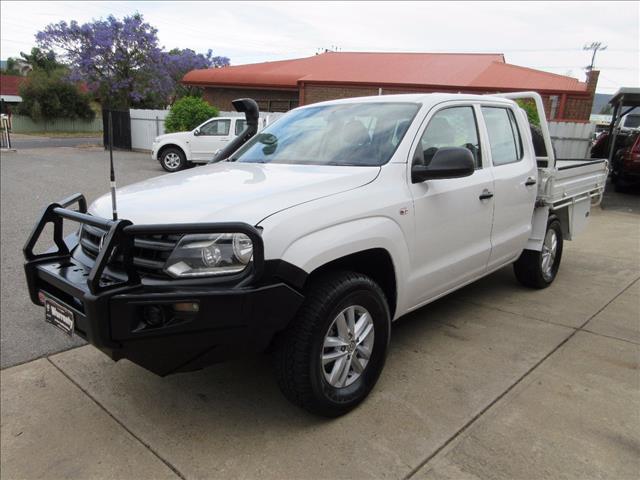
(451, 127)
(216, 127)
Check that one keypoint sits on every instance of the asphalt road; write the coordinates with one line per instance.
(29, 179)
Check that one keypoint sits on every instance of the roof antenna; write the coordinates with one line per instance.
(112, 171)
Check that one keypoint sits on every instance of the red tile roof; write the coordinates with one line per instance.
(463, 70)
(9, 84)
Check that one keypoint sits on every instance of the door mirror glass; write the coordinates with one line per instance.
(447, 162)
(196, 132)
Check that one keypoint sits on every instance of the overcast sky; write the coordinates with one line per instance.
(546, 36)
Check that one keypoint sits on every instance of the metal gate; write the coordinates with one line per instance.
(5, 132)
(121, 124)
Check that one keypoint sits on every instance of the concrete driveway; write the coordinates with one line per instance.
(494, 381)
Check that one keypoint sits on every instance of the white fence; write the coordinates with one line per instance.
(145, 126)
(571, 140)
(148, 124)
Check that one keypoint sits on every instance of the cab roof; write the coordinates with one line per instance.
(422, 98)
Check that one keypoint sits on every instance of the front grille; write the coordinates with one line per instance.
(150, 252)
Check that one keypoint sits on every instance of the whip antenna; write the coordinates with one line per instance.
(112, 177)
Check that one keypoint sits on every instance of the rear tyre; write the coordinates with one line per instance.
(332, 354)
(173, 159)
(539, 269)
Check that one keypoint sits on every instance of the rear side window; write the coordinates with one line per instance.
(504, 136)
(450, 127)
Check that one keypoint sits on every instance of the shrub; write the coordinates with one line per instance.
(46, 97)
(187, 113)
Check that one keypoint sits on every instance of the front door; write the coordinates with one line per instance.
(212, 136)
(452, 222)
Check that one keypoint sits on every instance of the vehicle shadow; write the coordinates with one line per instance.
(232, 418)
(625, 199)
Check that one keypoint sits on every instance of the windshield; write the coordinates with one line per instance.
(364, 134)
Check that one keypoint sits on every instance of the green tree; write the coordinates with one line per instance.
(187, 113)
(41, 60)
(47, 92)
(46, 97)
(532, 112)
(12, 67)
(606, 109)
(36, 59)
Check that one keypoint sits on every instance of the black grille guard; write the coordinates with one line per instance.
(121, 234)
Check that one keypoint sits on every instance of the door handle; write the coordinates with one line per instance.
(530, 181)
(485, 195)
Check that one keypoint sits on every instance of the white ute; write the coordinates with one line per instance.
(361, 210)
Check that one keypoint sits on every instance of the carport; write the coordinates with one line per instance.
(624, 101)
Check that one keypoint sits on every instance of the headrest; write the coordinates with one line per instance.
(354, 133)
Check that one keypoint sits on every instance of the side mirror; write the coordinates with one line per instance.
(196, 132)
(448, 162)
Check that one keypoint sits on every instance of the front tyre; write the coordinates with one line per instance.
(173, 159)
(539, 269)
(332, 354)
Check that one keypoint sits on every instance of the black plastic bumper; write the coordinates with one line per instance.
(231, 319)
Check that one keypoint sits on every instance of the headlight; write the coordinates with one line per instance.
(210, 254)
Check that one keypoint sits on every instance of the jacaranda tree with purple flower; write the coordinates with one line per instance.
(120, 60)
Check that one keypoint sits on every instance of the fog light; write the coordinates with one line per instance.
(188, 307)
(154, 316)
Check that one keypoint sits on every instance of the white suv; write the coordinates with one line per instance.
(176, 151)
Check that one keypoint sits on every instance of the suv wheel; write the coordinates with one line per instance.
(332, 354)
(173, 159)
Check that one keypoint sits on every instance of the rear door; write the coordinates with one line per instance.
(515, 175)
(452, 240)
(214, 135)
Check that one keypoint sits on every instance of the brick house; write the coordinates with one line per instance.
(282, 85)
(10, 92)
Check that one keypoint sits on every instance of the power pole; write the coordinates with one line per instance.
(596, 47)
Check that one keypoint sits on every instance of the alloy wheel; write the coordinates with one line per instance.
(172, 160)
(549, 251)
(347, 346)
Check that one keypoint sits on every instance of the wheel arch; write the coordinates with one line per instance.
(375, 246)
(166, 146)
(541, 218)
(375, 263)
